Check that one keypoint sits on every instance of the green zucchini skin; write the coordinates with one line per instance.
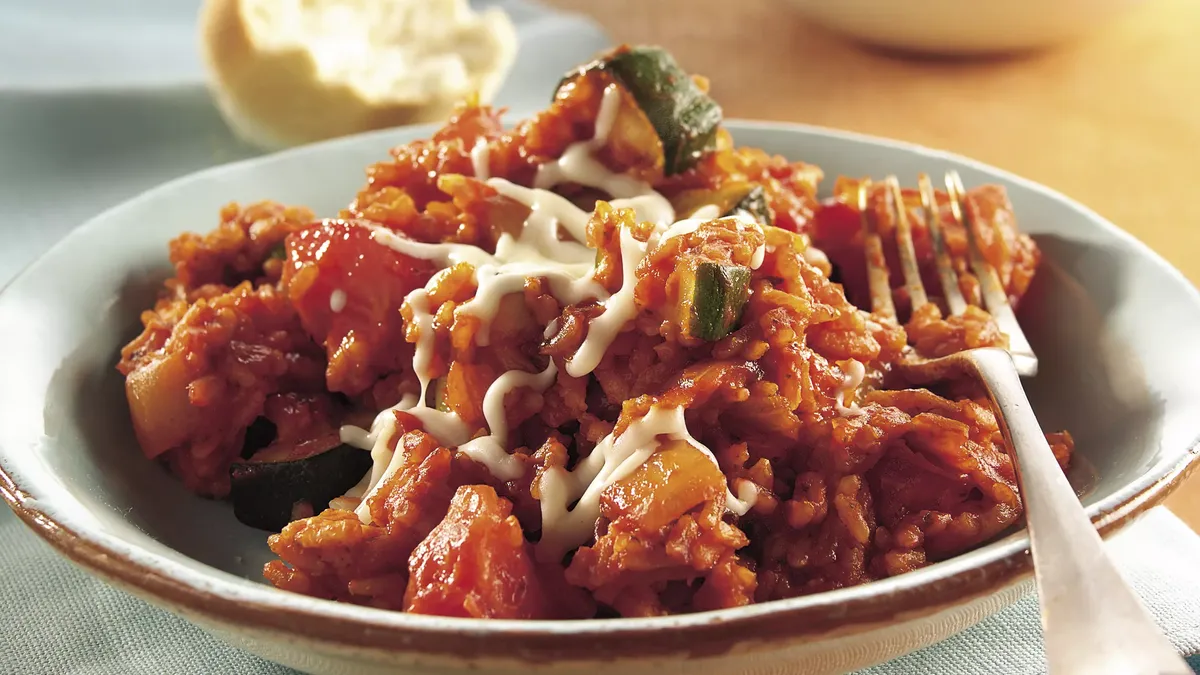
(755, 205)
(685, 119)
(719, 294)
(439, 395)
(731, 198)
(264, 493)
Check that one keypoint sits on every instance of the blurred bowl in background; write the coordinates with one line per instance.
(962, 27)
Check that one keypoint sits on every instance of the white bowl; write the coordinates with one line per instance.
(954, 27)
(1112, 322)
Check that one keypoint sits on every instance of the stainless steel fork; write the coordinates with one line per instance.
(1092, 622)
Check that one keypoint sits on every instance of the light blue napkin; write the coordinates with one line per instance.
(87, 119)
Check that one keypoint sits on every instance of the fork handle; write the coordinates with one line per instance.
(1092, 621)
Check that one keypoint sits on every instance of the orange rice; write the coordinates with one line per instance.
(247, 330)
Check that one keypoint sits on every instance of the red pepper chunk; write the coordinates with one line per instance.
(347, 289)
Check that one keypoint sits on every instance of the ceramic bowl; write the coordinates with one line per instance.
(1111, 321)
(958, 27)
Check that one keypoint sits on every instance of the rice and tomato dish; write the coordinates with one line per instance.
(603, 363)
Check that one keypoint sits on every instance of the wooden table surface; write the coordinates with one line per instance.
(1112, 121)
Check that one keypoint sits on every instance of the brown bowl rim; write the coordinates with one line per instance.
(589, 639)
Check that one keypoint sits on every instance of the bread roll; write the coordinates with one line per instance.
(286, 72)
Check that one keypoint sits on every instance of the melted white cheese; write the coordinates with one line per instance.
(418, 300)
(448, 428)
(444, 254)
(337, 300)
(853, 378)
(619, 310)
(606, 117)
(747, 497)
(756, 260)
(490, 450)
(613, 459)
(568, 266)
(481, 159)
(551, 245)
(578, 165)
(548, 212)
(680, 229)
(690, 225)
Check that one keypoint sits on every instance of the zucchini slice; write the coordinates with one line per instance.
(732, 197)
(259, 435)
(633, 141)
(439, 395)
(714, 296)
(754, 204)
(685, 119)
(265, 493)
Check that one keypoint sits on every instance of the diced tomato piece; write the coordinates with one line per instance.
(476, 563)
(836, 224)
(347, 289)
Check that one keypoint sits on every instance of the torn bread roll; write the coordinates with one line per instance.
(286, 72)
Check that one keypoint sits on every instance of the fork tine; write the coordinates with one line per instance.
(904, 243)
(877, 270)
(945, 268)
(995, 299)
